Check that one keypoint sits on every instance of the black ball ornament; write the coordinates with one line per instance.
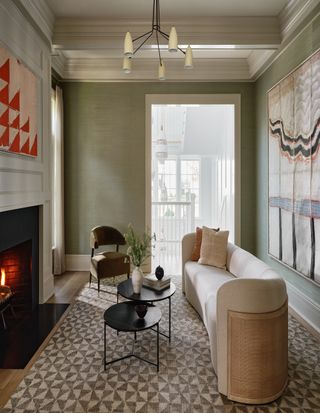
(159, 272)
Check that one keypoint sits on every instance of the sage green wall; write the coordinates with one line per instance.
(105, 155)
(303, 46)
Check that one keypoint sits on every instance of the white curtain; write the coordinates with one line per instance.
(58, 184)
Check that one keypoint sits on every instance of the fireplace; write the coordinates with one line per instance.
(30, 322)
(19, 258)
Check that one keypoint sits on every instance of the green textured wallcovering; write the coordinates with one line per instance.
(105, 155)
(304, 45)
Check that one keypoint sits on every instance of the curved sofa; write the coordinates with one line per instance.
(244, 309)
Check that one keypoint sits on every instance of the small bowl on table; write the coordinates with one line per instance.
(141, 310)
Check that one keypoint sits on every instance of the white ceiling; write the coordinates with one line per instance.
(231, 39)
(169, 8)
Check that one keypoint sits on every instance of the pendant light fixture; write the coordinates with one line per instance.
(172, 38)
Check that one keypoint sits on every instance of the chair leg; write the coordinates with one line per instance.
(90, 278)
(128, 275)
(98, 285)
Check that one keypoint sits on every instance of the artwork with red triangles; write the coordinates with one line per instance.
(18, 106)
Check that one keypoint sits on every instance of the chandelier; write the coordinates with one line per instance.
(129, 49)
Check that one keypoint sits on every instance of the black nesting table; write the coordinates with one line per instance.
(147, 296)
(123, 317)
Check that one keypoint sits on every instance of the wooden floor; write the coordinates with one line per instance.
(66, 287)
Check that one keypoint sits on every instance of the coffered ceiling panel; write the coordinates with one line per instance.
(230, 39)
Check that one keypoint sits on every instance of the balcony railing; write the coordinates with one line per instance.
(170, 222)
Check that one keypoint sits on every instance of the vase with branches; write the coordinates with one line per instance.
(139, 249)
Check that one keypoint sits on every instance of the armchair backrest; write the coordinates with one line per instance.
(104, 235)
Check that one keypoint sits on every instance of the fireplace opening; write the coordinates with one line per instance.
(16, 277)
(19, 262)
(24, 322)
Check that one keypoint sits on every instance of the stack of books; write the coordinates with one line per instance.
(151, 281)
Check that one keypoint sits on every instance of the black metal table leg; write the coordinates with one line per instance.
(104, 347)
(169, 319)
(158, 347)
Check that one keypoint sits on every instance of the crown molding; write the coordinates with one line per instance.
(147, 70)
(257, 59)
(39, 14)
(293, 14)
(59, 63)
(89, 33)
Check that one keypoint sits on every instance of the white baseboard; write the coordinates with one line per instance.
(307, 309)
(77, 262)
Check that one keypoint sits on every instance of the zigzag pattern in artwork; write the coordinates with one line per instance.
(295, 147)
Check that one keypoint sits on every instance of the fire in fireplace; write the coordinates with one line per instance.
(19, 262)
(16, 270)
(5, 297)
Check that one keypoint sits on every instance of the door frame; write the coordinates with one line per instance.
(203, 99)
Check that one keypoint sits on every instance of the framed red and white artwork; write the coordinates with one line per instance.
(18, 106)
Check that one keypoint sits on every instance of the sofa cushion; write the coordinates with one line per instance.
(197, 244)
(214, 247)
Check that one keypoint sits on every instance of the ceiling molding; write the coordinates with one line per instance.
(88, 33)
(293, 14)
(40, 15)
(59, 63)
(257, 60)
(147, 70)
(262, 37)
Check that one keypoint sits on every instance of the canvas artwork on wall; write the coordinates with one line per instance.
(18, 107)
(294, 169)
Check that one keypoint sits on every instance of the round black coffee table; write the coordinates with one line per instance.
(147, 295)
(123, 317)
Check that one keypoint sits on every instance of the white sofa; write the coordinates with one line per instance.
(244, 309)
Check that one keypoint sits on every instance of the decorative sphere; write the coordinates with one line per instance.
(159, 272)
(141, 310)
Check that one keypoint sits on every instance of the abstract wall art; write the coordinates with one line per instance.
(294, 169)
(18, 106)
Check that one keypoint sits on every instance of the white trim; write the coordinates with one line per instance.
(59, 62)
(82, 33)
(285, 45)
(293, 13)
(78, 262)
(75, 262)
(40, 14)
(307, 309)
(217, 99)
(145, 69)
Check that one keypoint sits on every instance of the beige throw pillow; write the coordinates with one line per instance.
(214, 247)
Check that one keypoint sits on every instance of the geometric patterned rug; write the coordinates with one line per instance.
(69, 377)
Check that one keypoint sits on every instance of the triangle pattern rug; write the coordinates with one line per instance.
(69, 376)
